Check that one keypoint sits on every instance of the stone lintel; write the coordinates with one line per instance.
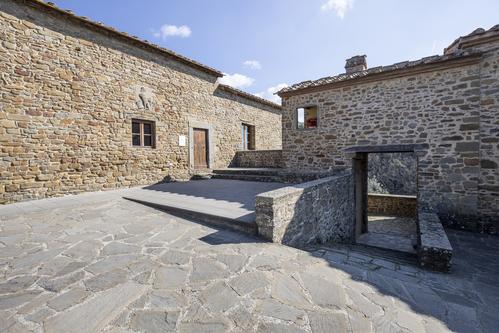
(394, 148)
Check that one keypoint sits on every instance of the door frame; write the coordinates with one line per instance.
(204, 126)
(360, 160)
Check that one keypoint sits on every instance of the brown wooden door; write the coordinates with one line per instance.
(200, 148)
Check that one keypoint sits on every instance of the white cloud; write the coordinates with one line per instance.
(269, 93)
(339, 6)
(173, 31)
(253, 64)
(236, 80)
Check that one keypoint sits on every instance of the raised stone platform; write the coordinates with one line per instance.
(224, 203)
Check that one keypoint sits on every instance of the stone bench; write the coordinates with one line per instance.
(434, 248)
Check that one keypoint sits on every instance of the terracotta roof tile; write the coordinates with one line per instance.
(375, 70)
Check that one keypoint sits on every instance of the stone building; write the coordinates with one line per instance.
(84, 107)
(447, 105)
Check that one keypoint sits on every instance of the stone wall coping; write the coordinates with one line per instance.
(434, 248)
(258, 151)
(296, 189)
(393, 148)
(386, 195)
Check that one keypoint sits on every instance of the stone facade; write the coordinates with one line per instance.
(315, 212)
(449, 102)
(394, 205)
(70, 88)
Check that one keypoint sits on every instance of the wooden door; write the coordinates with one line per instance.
(200, 148)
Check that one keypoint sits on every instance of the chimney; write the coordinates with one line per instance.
(356, 64)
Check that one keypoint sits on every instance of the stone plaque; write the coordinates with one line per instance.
(182, 140)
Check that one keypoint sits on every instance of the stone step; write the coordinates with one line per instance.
(248, 171)
(248, 177)
(201, 176)
(388, 254)
(203, 218)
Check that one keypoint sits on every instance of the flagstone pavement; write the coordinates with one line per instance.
(98, 263)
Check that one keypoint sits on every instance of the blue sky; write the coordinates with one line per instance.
(262, 44)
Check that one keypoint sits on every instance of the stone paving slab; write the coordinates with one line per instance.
(390, 232)
(98, 263)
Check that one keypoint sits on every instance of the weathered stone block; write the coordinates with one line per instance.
(467, 146)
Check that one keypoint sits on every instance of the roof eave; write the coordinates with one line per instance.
(249, 96)
(143, 43)
(463, 60)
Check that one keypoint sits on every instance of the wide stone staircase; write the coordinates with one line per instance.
(248, 174)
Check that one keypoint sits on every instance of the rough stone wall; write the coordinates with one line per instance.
(258, 159)
(393, 173)
(315, 212)
(69, 92)
(396, 205)
(443, 109)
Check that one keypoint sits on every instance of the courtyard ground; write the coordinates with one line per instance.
(98, 263)
(391, 232)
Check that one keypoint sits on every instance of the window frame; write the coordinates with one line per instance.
(296, 118)
(142, 134)
(250, 139)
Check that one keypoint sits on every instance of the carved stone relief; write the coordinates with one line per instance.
(144, 98)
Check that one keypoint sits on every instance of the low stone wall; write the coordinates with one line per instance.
(315, 212)
(434, 248)
(257, 159)
(390, 204)
(296, 177)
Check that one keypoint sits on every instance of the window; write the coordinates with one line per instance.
(143, 133)
(248, 137)
(307, 117)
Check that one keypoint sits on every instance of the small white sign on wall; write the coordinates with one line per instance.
(182, 140)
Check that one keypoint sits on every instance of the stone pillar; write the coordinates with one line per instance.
(359, 164)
